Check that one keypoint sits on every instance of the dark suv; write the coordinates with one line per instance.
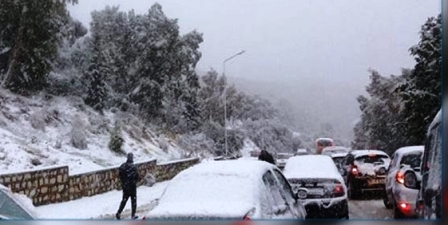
(429, 199)
(364, 170)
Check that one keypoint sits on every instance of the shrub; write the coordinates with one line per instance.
(116, 140)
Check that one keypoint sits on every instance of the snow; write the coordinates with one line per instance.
(408, 149)
(104, 205)
(24, 148)
(311, 166)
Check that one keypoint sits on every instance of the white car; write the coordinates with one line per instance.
(365, 171)
(397, 196)
(318, 185)
(281, 158)
(233, 189)
(15, 206)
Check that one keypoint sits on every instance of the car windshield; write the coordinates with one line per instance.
(10, 208)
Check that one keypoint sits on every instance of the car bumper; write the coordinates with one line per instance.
(408, 197)
(326, 209)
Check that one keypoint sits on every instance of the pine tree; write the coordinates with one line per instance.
(97, 93)
(116, 140)
(30, 36)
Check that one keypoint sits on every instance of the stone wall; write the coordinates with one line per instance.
(54, 185)
(42, 186)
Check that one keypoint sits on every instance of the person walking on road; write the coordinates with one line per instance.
(129, 177)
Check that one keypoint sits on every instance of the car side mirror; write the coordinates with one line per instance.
(410, 180)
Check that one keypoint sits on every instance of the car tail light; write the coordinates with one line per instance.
(354, 170)
(338, 190)
(404, 206)
(399, 177)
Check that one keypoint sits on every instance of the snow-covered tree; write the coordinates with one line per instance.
(421, 91)
(94, 76)
(30, 33)
(381, 124)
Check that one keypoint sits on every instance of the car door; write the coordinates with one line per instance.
(278, 204)
(429, 204)
(294, 206)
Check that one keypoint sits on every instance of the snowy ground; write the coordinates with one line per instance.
(102, 206)
(36, 132)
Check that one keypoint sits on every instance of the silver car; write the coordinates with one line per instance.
(397, 196)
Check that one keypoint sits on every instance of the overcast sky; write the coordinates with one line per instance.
(287, 39)
(298, 43)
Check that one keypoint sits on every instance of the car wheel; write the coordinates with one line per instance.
(387, 203)
(352, 193)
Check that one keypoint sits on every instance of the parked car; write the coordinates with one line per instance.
(318, 185)
(429, 198)
(302, 151)
(334, 149)
(397, 196)
(15, 206)
(281, 159)
(364, 170)
(235, 189)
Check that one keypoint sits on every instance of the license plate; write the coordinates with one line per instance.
(316, 191)
(376, 181)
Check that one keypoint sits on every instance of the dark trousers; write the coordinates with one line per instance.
(126, 194)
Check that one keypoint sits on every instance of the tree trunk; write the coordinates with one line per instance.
(15, 56)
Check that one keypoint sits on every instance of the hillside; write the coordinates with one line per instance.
(37, 132)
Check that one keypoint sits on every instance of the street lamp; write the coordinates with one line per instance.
(225, 97)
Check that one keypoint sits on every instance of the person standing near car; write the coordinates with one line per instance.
(129, 177)
(266, 156)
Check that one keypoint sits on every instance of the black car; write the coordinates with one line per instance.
(429, 199)
(364, 170)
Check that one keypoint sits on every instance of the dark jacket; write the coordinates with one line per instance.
(128, 175)
(266, 156)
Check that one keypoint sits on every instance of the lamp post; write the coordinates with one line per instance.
(225, 97)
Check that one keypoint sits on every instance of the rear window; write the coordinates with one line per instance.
(324, 143)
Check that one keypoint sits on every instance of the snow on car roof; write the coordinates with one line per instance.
(244, 168)
(335, 148)
(359, 153)
(407, 149)
(339, 154)
(324, 139)
(311, 166)
(208, 189)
